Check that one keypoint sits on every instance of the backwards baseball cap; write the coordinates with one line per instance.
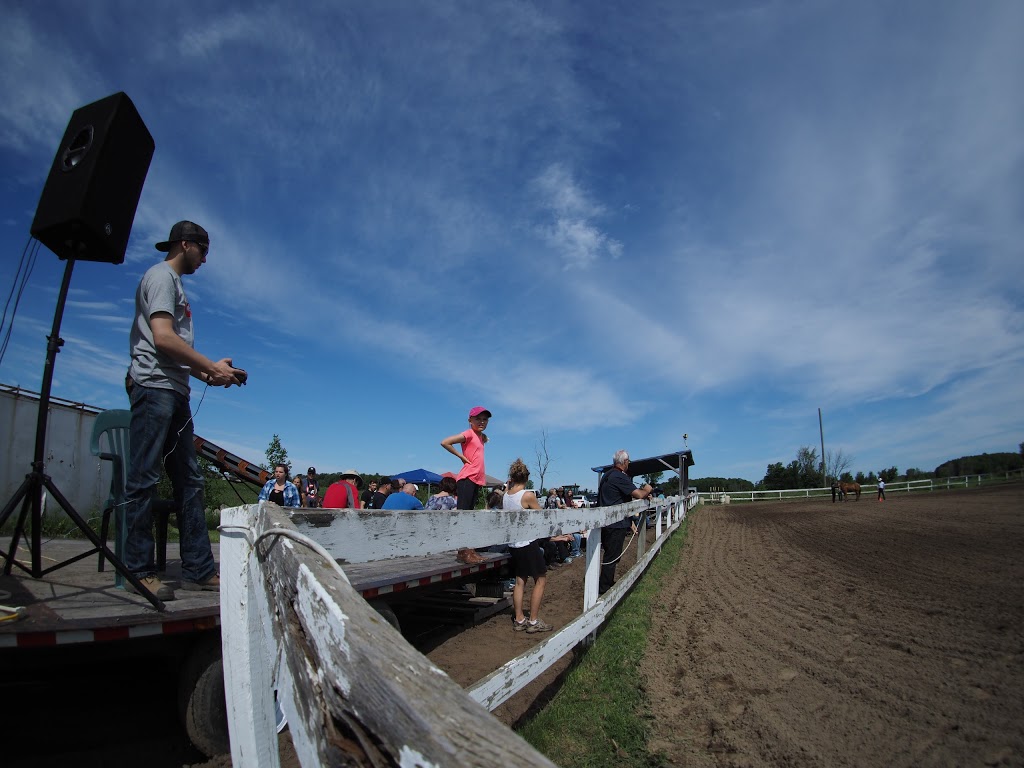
(184, 230)
(478, 410)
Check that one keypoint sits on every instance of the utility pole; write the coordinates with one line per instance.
(821, 431)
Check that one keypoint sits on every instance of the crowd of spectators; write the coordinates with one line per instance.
(530, 559)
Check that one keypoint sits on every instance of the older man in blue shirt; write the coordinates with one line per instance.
(616, 487)
(404, 499)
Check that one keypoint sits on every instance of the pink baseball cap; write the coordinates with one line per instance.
(479, 410)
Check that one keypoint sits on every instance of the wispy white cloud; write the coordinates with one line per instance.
(83, 359)
(570, 230)
(232, 27)
(76, 304)
(118, 322)
(605, 220)
(979, 412)
(41, 80)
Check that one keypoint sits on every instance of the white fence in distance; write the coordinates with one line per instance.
(897, 486)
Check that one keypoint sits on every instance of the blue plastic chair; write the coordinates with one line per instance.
(113, 428)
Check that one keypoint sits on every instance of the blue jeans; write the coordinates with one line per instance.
(574, 545)
(162, 427)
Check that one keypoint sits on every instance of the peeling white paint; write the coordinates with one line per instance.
(410, 758)
(384, 534)
(325, 631)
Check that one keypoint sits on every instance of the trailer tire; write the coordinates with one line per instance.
(387, 613)
(201, 698)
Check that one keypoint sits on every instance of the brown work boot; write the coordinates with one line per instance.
(212, 584)
(469, 556)
(154, 586)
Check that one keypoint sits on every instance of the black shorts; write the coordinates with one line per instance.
(528, 561)
(465, 494)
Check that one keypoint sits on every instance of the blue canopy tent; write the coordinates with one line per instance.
(420, 476)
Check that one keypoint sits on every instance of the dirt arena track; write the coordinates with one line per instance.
(849, 634)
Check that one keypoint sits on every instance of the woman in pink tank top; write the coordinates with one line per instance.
(472, 475)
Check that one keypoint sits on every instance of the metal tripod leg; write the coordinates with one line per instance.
(37, 481)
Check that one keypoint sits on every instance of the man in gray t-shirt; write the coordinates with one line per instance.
(163, 358)
(160, 291)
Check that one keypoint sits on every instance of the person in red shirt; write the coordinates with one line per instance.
(344, 494)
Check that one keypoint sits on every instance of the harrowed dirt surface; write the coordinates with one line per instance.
(472, 654)
(848, 634)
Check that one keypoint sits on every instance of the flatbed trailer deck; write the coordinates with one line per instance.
(79, 604)
(76, 616)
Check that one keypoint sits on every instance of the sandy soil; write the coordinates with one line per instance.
(474, 653)
(856, 634)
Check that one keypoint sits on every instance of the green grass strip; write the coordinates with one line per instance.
(601, 716)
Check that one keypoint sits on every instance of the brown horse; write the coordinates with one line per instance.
(845, 488)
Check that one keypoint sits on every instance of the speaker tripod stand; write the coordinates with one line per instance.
(30, 493)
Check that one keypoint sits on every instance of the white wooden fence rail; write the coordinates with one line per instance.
(350, 686)
(900, 486)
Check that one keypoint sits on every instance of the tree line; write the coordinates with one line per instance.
(983, 464)
(805, 471)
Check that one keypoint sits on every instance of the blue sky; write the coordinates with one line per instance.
(616, 222)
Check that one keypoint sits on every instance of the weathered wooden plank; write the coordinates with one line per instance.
(247, 656)
(592, 573)
(360, 693)
(358, 536)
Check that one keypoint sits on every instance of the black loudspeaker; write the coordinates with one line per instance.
(88, 204)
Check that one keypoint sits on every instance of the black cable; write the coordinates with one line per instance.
(235, 489)
(21, 263)
(32, 249)
(191, 420)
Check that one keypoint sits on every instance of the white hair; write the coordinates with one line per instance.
(620, 458)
